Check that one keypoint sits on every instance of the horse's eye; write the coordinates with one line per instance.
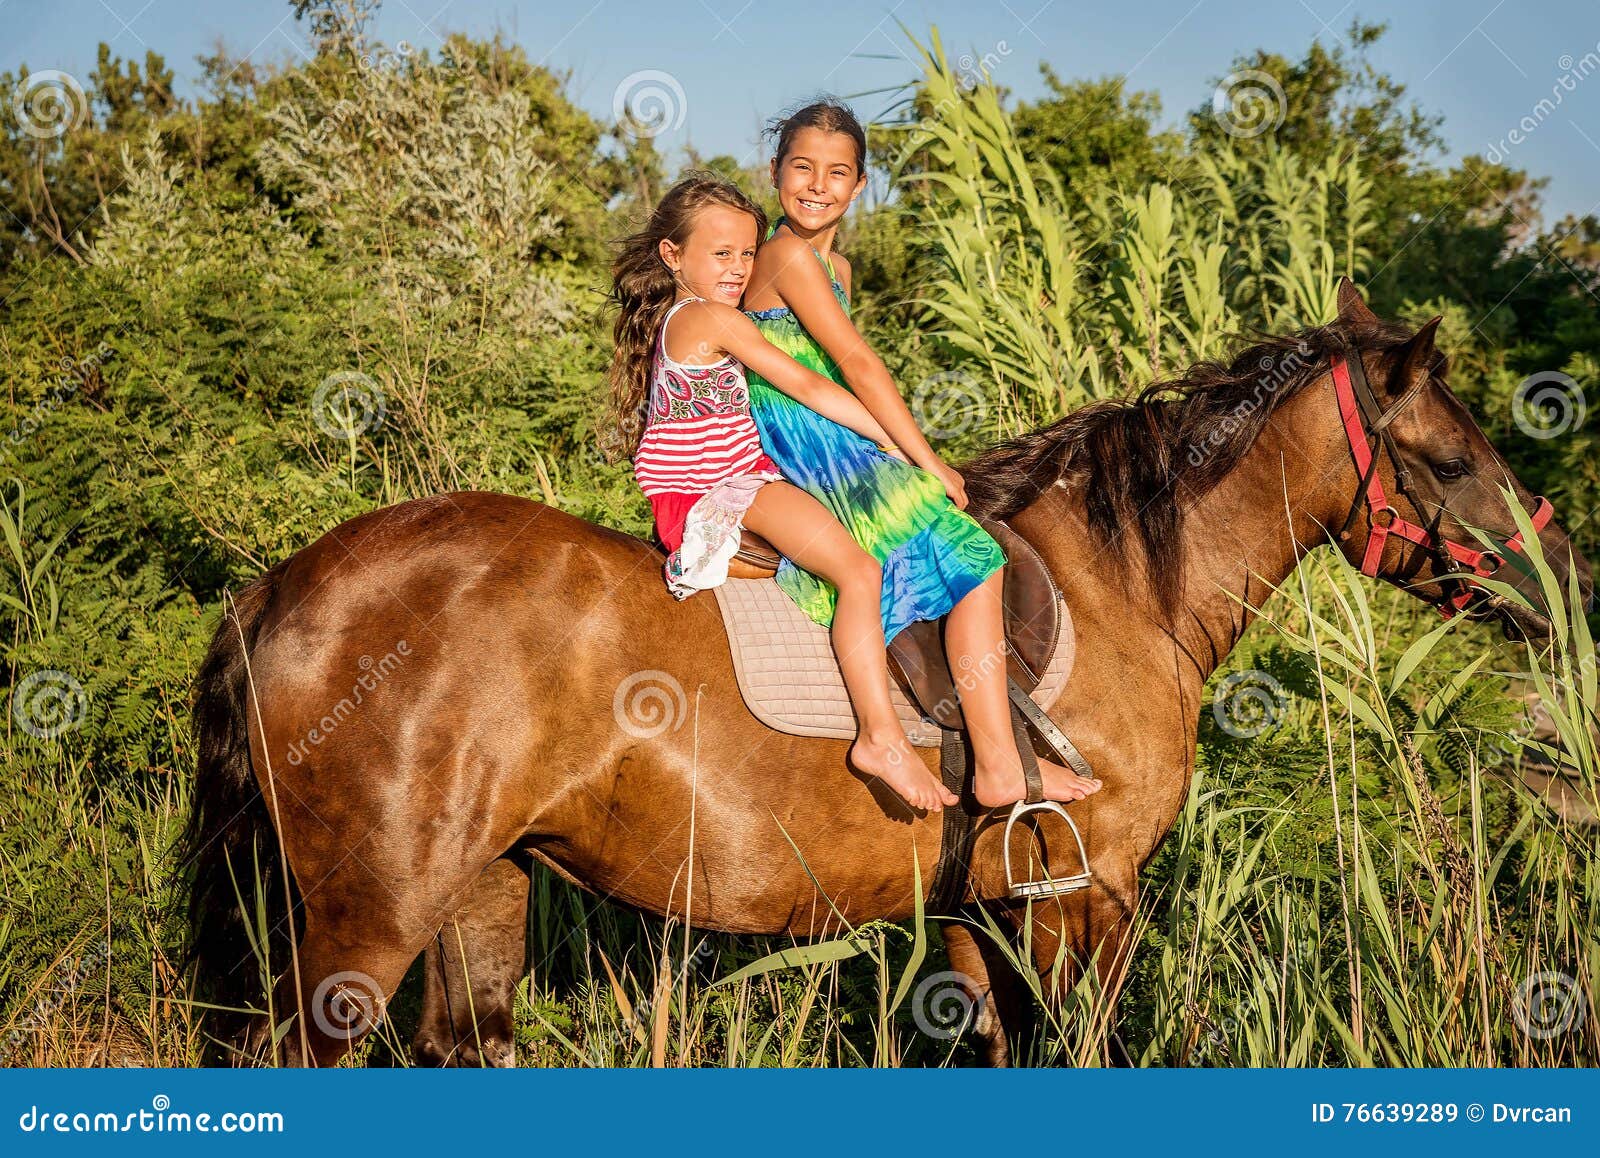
(1453, 468)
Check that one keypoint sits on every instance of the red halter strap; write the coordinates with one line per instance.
(1384, 520)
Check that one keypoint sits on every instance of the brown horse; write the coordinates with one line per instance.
(432, 693)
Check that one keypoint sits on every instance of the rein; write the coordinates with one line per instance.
(1365, 419)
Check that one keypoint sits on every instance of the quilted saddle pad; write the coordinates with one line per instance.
(790, 679)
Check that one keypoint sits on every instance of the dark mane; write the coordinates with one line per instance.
(1141, 462)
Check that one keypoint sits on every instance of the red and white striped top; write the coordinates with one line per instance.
(699, 431)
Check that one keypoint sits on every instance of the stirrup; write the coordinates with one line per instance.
(1044, 886)
(1024, 712)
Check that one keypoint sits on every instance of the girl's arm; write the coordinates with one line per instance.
(730, 331)
(802, 283)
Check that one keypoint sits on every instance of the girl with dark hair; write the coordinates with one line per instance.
(936, 559)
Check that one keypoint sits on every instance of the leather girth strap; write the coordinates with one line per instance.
(955, 843)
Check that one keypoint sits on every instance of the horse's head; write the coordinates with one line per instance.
(1423, 479)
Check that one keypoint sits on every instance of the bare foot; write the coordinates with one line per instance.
(997, 785)
(892, 760)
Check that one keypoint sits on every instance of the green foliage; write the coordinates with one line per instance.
(1090, 131)
(198, 297)
(1052, 300)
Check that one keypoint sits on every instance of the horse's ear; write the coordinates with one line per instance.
(1416, 355)
(1352, 306)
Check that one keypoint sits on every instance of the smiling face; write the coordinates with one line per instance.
(714, 260)
(817, 177)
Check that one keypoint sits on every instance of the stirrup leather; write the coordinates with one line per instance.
(1027, 712)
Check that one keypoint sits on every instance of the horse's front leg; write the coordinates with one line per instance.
(1005, 1017)
(1077, 932)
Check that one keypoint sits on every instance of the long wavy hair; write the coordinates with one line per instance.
(642, 290)
(1142, 462)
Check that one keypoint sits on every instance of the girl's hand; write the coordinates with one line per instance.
(954, 485)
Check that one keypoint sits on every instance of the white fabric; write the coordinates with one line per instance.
(711, 533)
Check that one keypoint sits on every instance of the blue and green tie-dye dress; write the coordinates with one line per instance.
(932, 553)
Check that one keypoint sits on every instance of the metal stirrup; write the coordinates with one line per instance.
(1057, 741)
(1047, 886)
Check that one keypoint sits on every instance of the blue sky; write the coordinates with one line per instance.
(1485, 64)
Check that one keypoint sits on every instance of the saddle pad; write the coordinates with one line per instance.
(790, 679)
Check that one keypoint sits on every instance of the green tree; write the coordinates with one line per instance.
(1096, 131)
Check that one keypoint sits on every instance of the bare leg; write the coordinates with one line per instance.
(972, 638)
(806, 532)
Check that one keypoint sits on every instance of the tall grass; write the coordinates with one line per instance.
(1052, 300)
(1367, 881)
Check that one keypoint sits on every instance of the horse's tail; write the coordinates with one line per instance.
(229, 851)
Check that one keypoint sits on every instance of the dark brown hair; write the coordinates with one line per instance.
(642, 290)
(1143, 461)
(826, 114)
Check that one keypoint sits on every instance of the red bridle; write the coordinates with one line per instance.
(1383, 520)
